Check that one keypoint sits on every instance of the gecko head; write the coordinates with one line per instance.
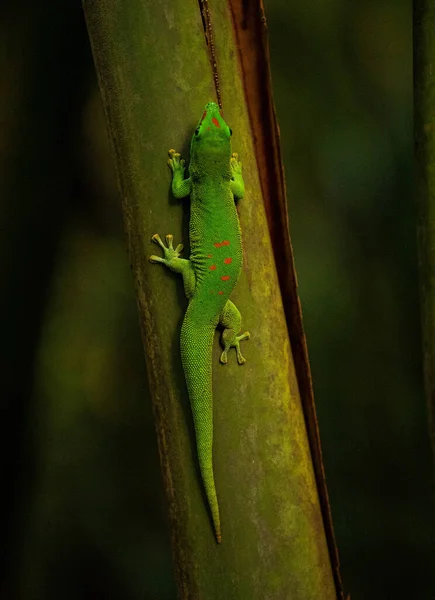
(212, 135)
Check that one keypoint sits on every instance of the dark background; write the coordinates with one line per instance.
(83, 512)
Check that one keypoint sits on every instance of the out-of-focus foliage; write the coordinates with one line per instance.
(343, 81)
(89, 507)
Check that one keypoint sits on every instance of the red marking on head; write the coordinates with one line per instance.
(220, 293)
(218, 244)
(228, 260)
(225, 243)
(225, 277)
(212, 267)
(209, 255)
(204, 114)
(216, 122)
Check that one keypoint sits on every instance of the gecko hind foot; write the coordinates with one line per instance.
(169, 252)
(229, 340)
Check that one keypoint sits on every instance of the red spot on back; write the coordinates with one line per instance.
(225, 277)
(218, 244)
(209, 255)
(215, 122)
(220, 293)
(225, 243)
(212, 267)
(228, 261)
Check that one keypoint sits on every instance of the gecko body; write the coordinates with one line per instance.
(215, 181)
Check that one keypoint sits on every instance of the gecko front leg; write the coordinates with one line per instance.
(180, 187)
(237, 184)
(173, 261)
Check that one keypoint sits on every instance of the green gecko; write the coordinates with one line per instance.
(215, 181)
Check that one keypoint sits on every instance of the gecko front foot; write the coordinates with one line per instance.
(175, 162)
(237, 185)
(236, 165)
(180, 187)
(170, 253)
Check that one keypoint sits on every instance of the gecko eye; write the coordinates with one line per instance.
(197, 131)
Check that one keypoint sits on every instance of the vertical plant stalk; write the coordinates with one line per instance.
(155, 75)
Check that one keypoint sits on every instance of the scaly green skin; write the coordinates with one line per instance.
(210, 274)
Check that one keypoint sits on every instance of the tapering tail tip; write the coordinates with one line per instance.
(217, 526)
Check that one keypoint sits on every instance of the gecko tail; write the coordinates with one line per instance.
(196, 343)
(206, 468)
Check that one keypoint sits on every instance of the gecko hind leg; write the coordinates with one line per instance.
(230, 319)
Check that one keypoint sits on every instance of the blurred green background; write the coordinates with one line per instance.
(84, 512)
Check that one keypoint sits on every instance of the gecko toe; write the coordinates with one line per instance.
(156, 259)
(243, 336)
(240, 359)
(224, 357)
